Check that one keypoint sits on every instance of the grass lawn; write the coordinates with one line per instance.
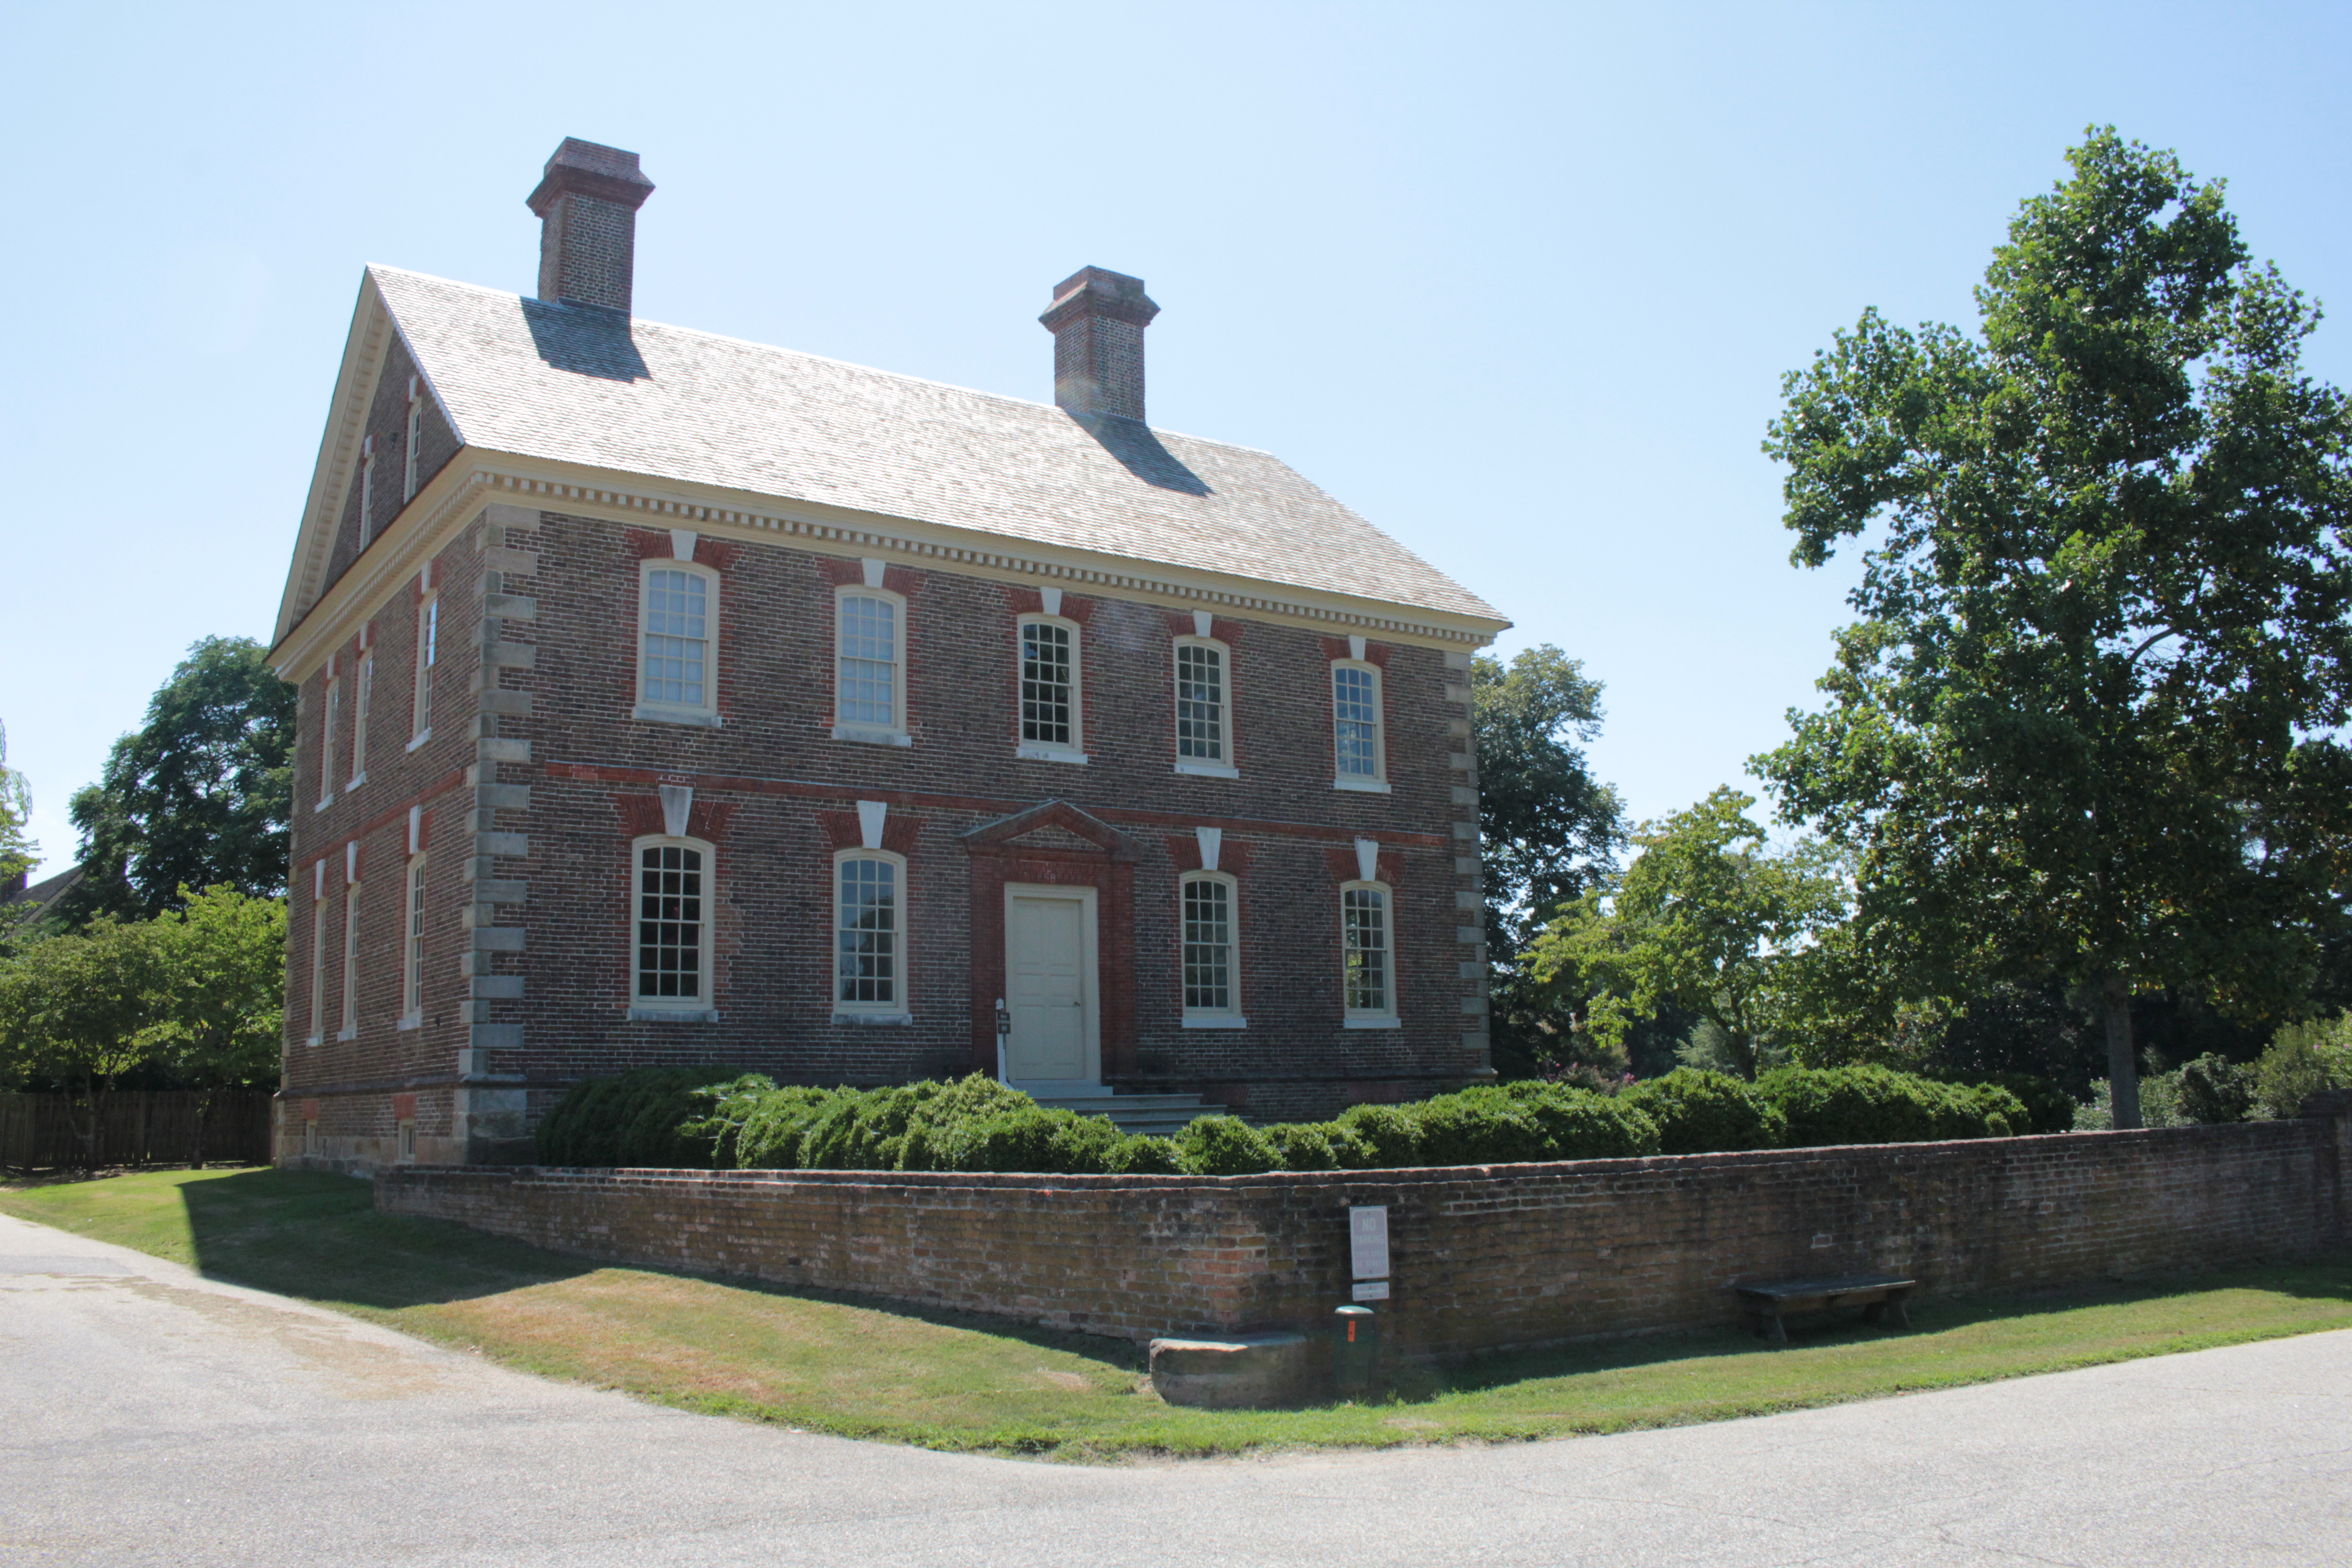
(864, 1370)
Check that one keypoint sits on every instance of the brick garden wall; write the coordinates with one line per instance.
(1485, 1258)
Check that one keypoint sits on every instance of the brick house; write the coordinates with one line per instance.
(670, 699)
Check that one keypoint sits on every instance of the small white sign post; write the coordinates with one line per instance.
(1367, 1251)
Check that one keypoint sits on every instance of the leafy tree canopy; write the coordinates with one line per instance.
(1708, 921)
(201, 796)
(2082, 731)
(19, 853)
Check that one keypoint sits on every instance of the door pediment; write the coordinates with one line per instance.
(1054, 825)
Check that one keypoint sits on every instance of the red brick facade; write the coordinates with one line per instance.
(1484, 1258)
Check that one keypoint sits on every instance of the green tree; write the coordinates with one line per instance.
(201, 796)
(2082, 732)
(18, 853)
(79, 1006)
(220, 1019)
(1548, 828)
(1708, 921)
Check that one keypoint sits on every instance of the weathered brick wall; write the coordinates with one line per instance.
(1485, 1258)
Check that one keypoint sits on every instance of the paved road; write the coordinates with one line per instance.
(149, 1416)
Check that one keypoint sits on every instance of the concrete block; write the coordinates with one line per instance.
(1237, 1372)
(510, 607)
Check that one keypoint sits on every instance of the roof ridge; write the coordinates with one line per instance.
(1003, 397)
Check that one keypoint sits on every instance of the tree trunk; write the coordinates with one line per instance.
(2123, 1060)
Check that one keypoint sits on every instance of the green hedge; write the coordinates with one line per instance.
(678, 1115)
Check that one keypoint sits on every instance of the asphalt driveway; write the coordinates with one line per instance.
(149, 1416)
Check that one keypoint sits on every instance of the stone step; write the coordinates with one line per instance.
(1150, 1115)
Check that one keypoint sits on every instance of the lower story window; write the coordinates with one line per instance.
(1364, 930)
(671, 921)
(869, 958)
(1208, 946)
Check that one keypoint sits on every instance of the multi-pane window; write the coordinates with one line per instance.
(1364, 932)
(413, 438)
(350, 962)
(670, 917)
(333, 705)
(1356, 721)
(411, 978)
(428, 650)
(868, 690)
(1049, 684)
(318, 968)
(1199, 702)
(676, 637)
(359, 720)
(1208, 918)
(869, 958)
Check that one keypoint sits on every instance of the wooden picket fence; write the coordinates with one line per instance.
(139, 1127)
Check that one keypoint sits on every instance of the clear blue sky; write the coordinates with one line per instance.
(1518, 282)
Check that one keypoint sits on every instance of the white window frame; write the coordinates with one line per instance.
(351, 964)
(318, 960)
(411, 439)
(367, 489)
(665, 712)
(1229, 1016)
(899, 1009)
(696, 1008)
(1377, 781)
(412, 945)
(331, 703)
(891, 731)
(1384, 1017)
(1073, 749)
(1221, 766)
(428, 654)
(365, 677)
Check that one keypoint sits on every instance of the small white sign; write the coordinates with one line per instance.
(1368, 1241)
(1371, 1290)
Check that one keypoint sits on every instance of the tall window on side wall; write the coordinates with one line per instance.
(412, 438)
(411, 956)
(869, 933)
(1359, 749)
(366, 685)
(1204, 738)
(428, 654)
(367, 489)
(671, 903)
(318, 956)
(1367, 973)
(351, 963)
(869, 673)
(330, 708)
(1052, 721)
(677, 620)
(1211, 971)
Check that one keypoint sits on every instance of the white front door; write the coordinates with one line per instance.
(1049, 984)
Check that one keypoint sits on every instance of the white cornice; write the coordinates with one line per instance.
(476, 477)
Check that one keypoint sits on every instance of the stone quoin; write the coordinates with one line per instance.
(667, 698)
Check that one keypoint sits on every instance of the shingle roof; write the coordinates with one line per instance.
(579, 386)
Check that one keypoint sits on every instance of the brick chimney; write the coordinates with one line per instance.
(587, 205)
(1097, 320)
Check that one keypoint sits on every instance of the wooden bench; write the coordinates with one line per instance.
(1766, 1302)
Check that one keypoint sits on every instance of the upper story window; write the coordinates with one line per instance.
(1052, 716)
(869, 685)
(1367, 973)
(672, 900)
(1358, 747)
(330, 712)
(413, 438)
(1204, 743)
(428, 652)
(367, 489)
(365, 678)
(869, 932)
(678, 619)
(1211, 978)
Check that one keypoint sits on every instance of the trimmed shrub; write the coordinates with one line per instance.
(1141, 1156)
(2215, 1090)
(1700, 1112)
(1225, 1146)
(649, 1117)
(1483, 1126)
(1872, 1105)
(1380, 1137)
(2302, 1061)
(2047, 1106)
(1304, 1146)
